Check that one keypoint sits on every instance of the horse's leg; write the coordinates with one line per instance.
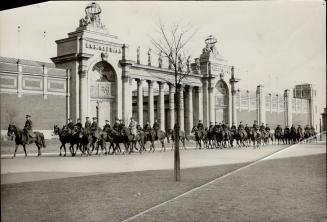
(16, 146)
(38, 149)
(25, 150)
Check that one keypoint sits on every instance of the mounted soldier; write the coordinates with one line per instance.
(200, 126)
(299, 129)
(147, 129)
(255, 125)
(267, 128)
(28, 128)
(286, 130)
(121, 125)
(241, 126)
(262, 127)
(211, 127)
(94, 127)
(247, 128)
(293, 128)
(278, 129)
(106, 127)
(223, 125)
(70, 124)
(87, 123)
(233, 128)
(78, 126)
(116, 125)
(132, 127)
(156, 127)
(307, 128)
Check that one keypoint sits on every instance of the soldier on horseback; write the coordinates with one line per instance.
(255, 125)
(278, 129)
(200, 126)
(147, 129)
(77, 126)
(241, 126)
(223, 125)
(87, 123)
(247, 128)
(70, 124)
(156, 127)
(267, 127)
(28, 128)
(106, 127)
(211, 127)
(262, 127)
(233, 128)
(132, 127)
(299, 129)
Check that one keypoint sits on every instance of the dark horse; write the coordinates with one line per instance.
(21, 139)
(152, 136)
(182, 138)
(199, 137)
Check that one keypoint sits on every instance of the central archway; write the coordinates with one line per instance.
(221, 102)
(102, 88)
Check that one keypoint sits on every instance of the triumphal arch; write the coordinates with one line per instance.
(102, 72)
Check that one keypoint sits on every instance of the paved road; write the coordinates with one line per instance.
(53, 166)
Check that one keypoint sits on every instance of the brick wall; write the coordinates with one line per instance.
(45, 112)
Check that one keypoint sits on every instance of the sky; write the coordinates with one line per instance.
(274, 43)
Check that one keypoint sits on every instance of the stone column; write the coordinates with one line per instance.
(83, 94)
(150, 102)
(161, 113)
(181, 108)
(288, 107)
(233, 81)
(68, 95)
(189, 110)
(140, 102)
(198, 105)
(205, 103)
(19, 79)
(261, 105)
(211, 104)
(171, 107)
(127, 99)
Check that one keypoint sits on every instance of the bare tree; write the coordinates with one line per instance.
(170, 42)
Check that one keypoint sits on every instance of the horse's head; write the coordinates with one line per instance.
(194, 129)
(11, 131)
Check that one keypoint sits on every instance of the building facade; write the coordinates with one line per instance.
(93, 74)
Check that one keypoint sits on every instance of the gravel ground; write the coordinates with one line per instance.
(290, 189)
(106, 197)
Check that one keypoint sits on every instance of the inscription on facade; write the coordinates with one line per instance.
(101, 90)
(103, 47)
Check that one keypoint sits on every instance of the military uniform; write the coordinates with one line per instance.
(70, 125)
(79, 126)
(88, 125)
(106, 127)
(29, 127)
(200, 126)
(233, 128)
(223, 126)
(262, 128)
(278, 129)
(267, 128)
(247, 129)
(241, 126)
(132, 127)
(211, 127)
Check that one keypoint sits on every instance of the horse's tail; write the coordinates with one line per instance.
(42, 140)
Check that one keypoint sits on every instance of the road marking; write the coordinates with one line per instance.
(210, 182)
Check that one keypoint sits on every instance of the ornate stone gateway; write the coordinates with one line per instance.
(102, 86)
(222, 102)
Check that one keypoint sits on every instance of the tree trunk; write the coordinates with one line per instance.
(177, 173)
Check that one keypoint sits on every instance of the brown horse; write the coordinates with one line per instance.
(21, 139)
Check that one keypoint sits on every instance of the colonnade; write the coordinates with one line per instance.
(191, 104)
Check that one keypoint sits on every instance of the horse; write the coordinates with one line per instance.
(21, 139)
(198, 134)
(279, 136)
(64, 138)
(152, 136)
(241, 137)
(182, 137)
(266, 136)
(255, 138)
(132, 140)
